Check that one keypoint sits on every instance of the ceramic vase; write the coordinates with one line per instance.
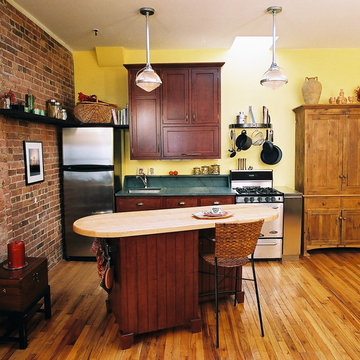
(311, 90)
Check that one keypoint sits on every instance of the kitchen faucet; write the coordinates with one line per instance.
(143, 178)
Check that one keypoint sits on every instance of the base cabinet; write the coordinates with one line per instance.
(138, 203)
(331, 222)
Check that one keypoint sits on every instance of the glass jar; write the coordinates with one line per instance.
(205, 170)
(196, 171)
(215, 169)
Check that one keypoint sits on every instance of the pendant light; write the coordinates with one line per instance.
(275, 76)
(147, 78)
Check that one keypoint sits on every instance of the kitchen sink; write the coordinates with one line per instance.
(149, 190)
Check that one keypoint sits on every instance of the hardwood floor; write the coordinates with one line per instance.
(311, 310)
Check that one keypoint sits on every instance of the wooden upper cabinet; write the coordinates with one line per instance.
(350, 180)
(175, 96)
(205, 96)
(144, 123)
(327, 149)
(181, 120)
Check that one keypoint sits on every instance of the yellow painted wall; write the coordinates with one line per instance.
(244, 66)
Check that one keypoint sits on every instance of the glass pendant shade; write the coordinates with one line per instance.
(146, 78)
(275, 77)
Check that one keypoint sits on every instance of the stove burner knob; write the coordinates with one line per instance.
(251, 199)
(267, 199)
(273, 199)
(246, 199)
(259, 199)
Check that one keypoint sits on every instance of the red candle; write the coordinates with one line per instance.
(16, 254)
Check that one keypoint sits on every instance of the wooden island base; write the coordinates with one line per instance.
(155, 283)
(155, 258)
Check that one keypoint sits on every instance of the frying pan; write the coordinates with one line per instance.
(243, 142)
(271, 154)
(271, 157)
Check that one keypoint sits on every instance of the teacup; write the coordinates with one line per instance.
(215, 209)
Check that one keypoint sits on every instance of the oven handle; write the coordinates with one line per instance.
(266, 244)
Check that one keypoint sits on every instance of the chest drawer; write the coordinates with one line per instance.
(180, 201)
(137, 203)
(19, 288)
(217, 200)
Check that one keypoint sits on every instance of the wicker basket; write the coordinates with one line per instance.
(93, 112)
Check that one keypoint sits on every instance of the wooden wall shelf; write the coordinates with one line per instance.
(16, 114)
(250, 126)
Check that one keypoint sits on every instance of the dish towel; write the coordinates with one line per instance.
(101, 249)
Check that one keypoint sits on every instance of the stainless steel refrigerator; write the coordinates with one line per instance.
(91, 176)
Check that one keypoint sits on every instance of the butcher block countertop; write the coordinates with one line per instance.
(149, 222)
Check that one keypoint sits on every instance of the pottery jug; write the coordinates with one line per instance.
(311, 90)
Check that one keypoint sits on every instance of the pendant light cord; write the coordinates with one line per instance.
(273, 45)
(147, 41)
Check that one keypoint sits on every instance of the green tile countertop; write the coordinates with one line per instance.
(180, 185)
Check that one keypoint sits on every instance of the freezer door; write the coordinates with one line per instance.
(85, 193)
(88, 146)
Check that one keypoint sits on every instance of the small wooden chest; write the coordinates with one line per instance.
(19, 288)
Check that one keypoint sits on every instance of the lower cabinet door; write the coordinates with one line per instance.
(322, 228)
(350, 227)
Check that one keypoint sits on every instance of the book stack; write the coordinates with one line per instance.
(121, 117)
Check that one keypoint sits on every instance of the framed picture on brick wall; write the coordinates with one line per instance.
(34, 164)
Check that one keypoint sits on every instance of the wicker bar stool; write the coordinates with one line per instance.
(234, 243)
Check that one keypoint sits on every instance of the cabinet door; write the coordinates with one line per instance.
(350, 228)
(192, 142)
(351, 155)
(322, 228)
(175, 96)
(323, 154)
(144, 122)
(205, 96)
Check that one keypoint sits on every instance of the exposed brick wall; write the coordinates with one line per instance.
(31, 59)
(30, 213)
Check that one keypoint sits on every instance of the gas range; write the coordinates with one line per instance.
(257, 194)
(255, 186)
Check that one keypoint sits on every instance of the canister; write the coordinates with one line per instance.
(205, 170)
(50, 108)
(215, 169)
(16, 254)
(196, 171)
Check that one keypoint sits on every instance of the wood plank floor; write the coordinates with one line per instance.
(311, 310)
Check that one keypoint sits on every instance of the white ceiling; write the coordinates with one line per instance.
(197, 24)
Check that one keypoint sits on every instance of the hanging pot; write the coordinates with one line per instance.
(243, 142)
(267, 145)
(271, 157)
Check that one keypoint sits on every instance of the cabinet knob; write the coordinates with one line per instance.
(139, 204)
(3, 291)
(181, 203)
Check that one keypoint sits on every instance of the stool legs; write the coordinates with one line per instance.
(216, 303)
(257, 295)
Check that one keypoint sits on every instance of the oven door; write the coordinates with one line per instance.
(272, 229)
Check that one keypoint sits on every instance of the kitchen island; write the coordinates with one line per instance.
(154, 255)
